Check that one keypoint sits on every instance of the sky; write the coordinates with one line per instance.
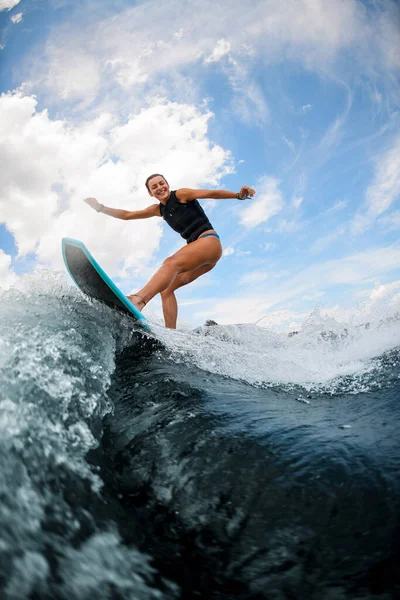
(298, 99)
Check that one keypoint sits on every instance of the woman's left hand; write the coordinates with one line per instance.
(246, 192)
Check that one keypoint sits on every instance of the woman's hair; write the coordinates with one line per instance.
(151, 177)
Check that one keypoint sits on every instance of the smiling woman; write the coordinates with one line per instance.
(182, 211)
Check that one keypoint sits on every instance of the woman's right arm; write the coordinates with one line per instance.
(126, 215)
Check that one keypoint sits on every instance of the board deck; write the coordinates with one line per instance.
(92, 280)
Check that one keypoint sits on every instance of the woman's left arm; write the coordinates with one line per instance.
(188, 194)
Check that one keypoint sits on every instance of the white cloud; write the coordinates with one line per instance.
(314, 34)
(387, 26)
(326, 241)
(8, 4)
(178, 35)
(127, 73)
(280, 274)
(297, 201)
(290, 226)
(228, 251)
(234, 310)
(355, 268)
(48, 167)
(386, 186)
(351, 270)
(391, 221)
(7, 276)
(383, 291)
(182, 146)
(384, 189)
(72, 74)
(300, 187)
(268, 245)
(17, 18)
(267, 203)
(248, 50)
(221, 49)
(253, 278)
(314, 296)
(249, 102)
(340, 205)
(336, 130)
(289, 143)
(312, 282)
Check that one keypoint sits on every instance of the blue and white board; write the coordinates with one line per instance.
(90, 278)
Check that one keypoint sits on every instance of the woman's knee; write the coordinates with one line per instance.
(172, 263)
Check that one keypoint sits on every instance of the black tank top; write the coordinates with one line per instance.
(188, 219)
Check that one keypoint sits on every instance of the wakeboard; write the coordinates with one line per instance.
(92, 280)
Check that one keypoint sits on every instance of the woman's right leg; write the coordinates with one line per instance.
(201, 253)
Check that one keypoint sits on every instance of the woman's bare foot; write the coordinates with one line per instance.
(137, 301)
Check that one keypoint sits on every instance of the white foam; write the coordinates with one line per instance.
(319, 353)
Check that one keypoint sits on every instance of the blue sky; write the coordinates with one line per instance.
(298, 99)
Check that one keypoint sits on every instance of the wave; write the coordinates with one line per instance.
(232, 461)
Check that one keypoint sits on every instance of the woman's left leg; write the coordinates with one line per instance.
(168, 299)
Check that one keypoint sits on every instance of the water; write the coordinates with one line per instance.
(232, 462)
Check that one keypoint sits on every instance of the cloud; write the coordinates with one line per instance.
(353, 269)
(288, 226)
(221, 49)
(267, 203)
(383, 291)
(297, 201)
(48, 166)
(336, 130)
(387, 25)
(36, 154)
(391, 221)
(127, 73)
(253, 278)
(289, 143)
(268, 245)
(182, 146)
(178, 35)
(384, 189)
(248, 102)
(340, 205)
(314, 296)
(17, 18)
(324, 242)
(7, 276)
(247, 310)
(313, 34)
(8, 4)
(73, 75)
(312, 281)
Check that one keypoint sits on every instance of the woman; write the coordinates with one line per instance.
(181, 210)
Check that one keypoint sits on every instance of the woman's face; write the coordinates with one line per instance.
(159, 188)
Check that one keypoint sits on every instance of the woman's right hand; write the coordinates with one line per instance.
(93, 203)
